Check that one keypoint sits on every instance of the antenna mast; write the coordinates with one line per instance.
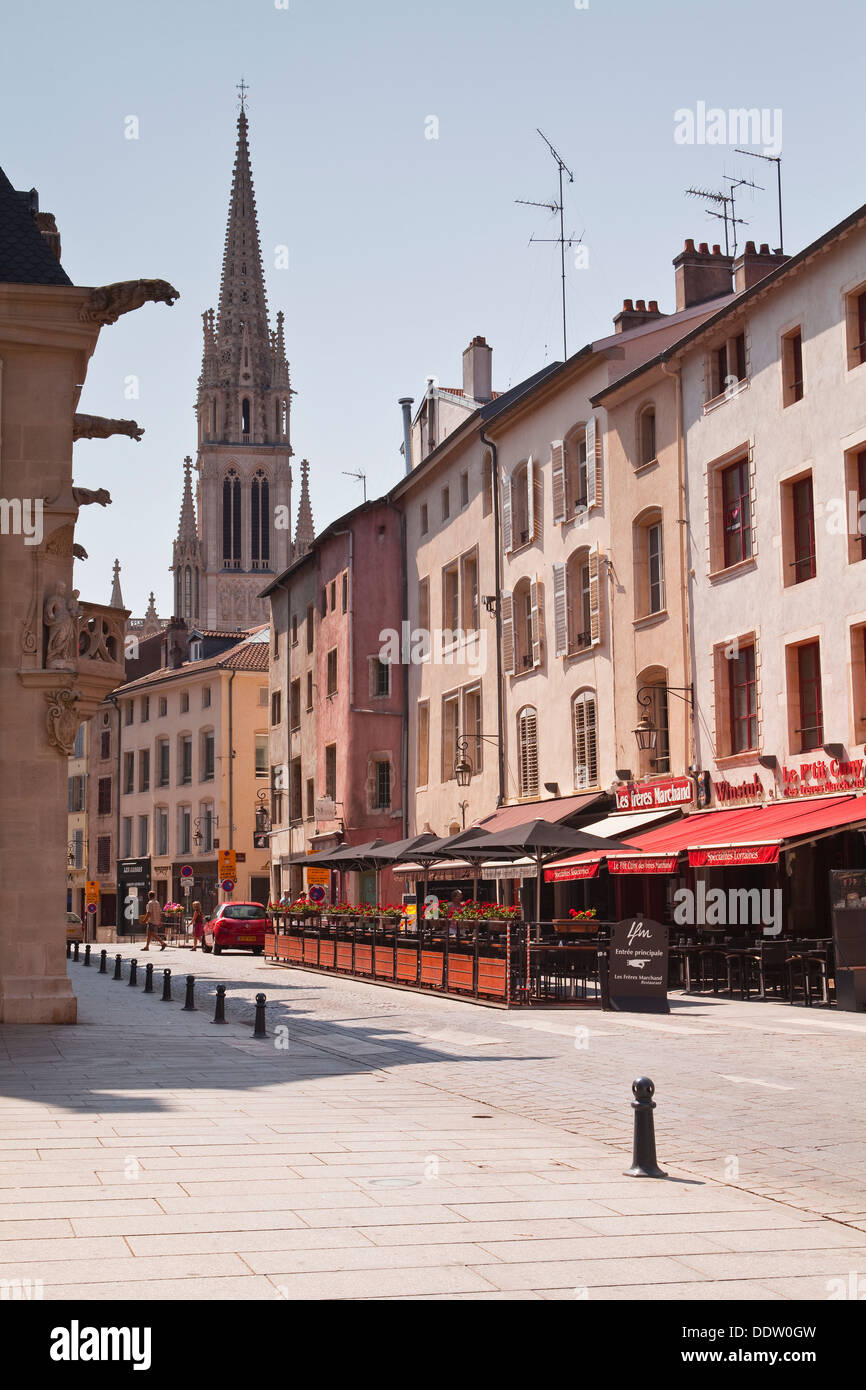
(727, 217)
(777, 160)
(362, 478)
(562, 239)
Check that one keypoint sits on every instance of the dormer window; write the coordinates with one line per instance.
(196, 649)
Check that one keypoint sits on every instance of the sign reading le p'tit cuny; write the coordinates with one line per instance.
(638, 966)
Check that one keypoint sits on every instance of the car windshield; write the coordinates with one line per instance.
(244, 912)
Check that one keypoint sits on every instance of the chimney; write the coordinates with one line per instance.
(48, 227)
(176, 646)
(635, 315)
(405, 403)
(701, 274)
(753, 265)
(478, 371)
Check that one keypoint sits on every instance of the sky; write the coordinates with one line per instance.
(389, 142)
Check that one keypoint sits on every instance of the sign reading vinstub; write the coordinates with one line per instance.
(638, 967)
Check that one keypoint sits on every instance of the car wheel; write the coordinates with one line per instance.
(258, 950)
(217, 950)
(205, 948)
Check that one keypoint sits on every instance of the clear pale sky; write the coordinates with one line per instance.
(401, 247)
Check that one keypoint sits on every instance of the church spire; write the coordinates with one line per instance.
(305, 534)
(116, 600)
(186, 530)
(243, 310)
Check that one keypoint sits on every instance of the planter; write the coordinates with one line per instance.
(572, 924)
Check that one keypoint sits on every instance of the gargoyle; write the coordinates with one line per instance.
(85, 496)
(98, 427)
(79, 552)
(108, 302)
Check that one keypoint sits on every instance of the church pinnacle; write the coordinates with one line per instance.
(186, 530)
(242, 317)
(116, 600)
(305, 534)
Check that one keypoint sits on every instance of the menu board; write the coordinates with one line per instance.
(638, 966)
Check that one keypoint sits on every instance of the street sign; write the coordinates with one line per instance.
(91, 892)
(325, 808)
(187, 871)
(186, 885)
(227, 885)
(91, 908)
(321, 877)
(317, 894)
(228, 867)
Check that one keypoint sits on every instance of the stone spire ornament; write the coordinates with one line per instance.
(305, 535)
(116, 600)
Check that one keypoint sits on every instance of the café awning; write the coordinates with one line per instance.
(616, 827)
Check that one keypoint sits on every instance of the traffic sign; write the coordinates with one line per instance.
(91, 891)
(227, 867)
(187, 885)
(91, 908)
(227, 885)
(317, 894)
(187, 871)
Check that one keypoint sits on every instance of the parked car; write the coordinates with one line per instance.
(74, 927)
(236, 927)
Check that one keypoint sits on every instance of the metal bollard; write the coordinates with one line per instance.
(189, 1002)
(75, 950)
(148, 978)
(103, 959)
(166, 988)
(260, 1031)
(220, 1010)
(643, 1158)
(68, 948)
(133, 972)
(87, 953)
(118, 972)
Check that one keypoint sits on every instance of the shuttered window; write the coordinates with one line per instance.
(527, 745)
(585, 740)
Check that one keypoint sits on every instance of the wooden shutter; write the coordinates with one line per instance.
(536, 618)
(594, 484)
(594, 598)
(507, 602)
(560, 609)
(530, 499)
(528, 752)
(557, 462)
(585, 742)
(506, 513)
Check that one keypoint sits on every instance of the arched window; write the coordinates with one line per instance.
(655, 693)
(245, 416)
(576, 496)
(231, 521)
(585, 725)
(646, 434)
(260, 533)
(186, 611)
(527, 752)
(649, 564)
(579, 592)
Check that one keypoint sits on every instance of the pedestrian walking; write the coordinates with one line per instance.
(153, 918)
(197, 925)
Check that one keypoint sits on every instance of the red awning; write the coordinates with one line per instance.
(555, 809)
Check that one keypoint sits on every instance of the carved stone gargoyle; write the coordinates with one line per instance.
(85, 496)
(108, 302)
(99, 427)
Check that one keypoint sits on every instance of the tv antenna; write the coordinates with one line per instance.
(362, 477)
(727, 215)
(562, 240)
(777, 160)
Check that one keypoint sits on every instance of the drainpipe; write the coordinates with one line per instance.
(685, 584)
(497, 562)
(232, 675)
(404, 668)
(406, 403)
(117, 904)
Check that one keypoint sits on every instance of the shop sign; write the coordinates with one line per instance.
(567, 873)
(734, 854)
(823, 776)
(644, 864)
(751, 790)
(638, 966)
(655, 796)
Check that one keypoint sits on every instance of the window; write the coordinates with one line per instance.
(856, 327)
(743, 700)
(798, 530)
(128, 773)
(277, 794)
(520, 524)
(144, 770)
(324, 600)
(78, 849)
(78, 747)
(332, 671)
(423, 744)
(446, 503)
(276, 706)
(728, 366)
(143, 835)
(145, 708)
(163, 759)
(311, 799)
(206, 827)
(450, 734)
(295, 704)
(424, 605)
(205, 697)
(331, 771)
(103, 796)
(804, 665)
(585, 740)
(381, 786)
(469, 592)
(522, 627)
(527, 753)
(294, 629)
(184, 827)
(855, 510)
(105, 746)
(184, 702)
(575, 473)
(451, 599)
(103, 854)
(792, 367)
(207, 756)
(464, 489)
(472, 726)
(161, 830)
(296, 810)
(185, 760)
(736, 513)
(163, 707)
(128, 712)
(380, 678)
(333, 594)
(76, 793)
(260, 519)
(196, 647)
(261, 755)
(656, 691)
(231, 520)
(309, 690)
(487, 485)
(311, 626)
(425, 523)
(647, 435)
(648, 542)
(344, 602)
(126, 837)
(263, 696)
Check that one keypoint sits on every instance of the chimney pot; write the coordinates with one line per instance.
(627, 306)
(717, 250)
(690, 245)
(765, 248)
(653, 306)
(704, 249)
(641, 306)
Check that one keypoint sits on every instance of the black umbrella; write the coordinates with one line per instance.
(542, 840)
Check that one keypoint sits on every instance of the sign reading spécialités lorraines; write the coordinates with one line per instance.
(638, 966)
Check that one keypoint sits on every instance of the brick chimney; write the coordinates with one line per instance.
(701, 274)
(634, 315)
(175, 645)
(478, 370)
(753, 265)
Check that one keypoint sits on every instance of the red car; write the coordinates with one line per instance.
(236, 927)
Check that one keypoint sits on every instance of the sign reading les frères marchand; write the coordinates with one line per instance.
(638, 966)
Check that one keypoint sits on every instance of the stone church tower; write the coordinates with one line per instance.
(235, 533)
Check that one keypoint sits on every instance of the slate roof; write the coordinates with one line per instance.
(25, 256)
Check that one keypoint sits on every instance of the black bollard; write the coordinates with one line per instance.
(189, 1002)
(75, 950)
(133, 972)
(103, 959)
(220, 1010)
(643, 1158)
(118, 972)
(260, 1031)
(87, 954)
(148, 978)
(68, 948)
(166, 987)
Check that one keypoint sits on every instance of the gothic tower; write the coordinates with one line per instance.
(237, 531)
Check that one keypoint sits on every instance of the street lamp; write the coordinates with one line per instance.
(263, 815)
(646, 732)
(463, 767)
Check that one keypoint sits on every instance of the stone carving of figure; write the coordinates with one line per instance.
(60, 615)
(108, 302)
(99, 427)
(85, 496)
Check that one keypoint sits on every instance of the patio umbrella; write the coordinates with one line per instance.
(540, 840)
(392, 851)
(451, 847)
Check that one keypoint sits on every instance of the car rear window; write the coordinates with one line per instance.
(244, 912)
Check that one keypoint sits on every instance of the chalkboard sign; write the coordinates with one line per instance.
(638, 966)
